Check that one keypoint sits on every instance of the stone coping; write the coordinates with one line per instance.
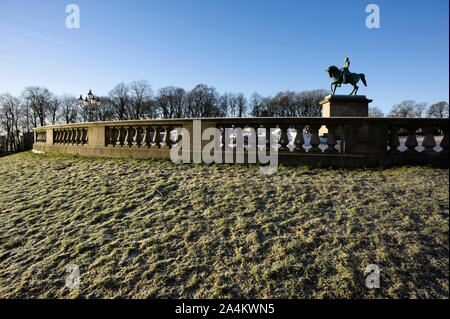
(403, 122)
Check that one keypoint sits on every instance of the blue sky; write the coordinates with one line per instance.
(238, 46)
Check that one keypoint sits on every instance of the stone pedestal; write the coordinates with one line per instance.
(344, 105)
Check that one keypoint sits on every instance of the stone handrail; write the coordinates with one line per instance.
(332, 141)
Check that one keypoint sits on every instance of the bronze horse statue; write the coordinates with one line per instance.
(350, 78)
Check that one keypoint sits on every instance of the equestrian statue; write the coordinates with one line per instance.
(344, 76)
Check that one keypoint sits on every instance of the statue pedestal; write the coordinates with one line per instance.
(344, 105)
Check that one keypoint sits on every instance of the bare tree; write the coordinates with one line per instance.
(28, 119)
(162, 102)
(418, 109)
(179, 102)
(375, 112)
(105, 111)
(403, 109)
(407, 108)
(141, 93)
(53, 109)
(171, 102)
(438, 110)
(120, 99)
(202, 101)
(309, 102)
(241, 104)
(69, 109)
(39, 99)
(9, 120)
(256, 104)
(232, 104)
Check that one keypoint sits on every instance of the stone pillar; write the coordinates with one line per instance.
(49, 136)
(96, 135)
(344, 105)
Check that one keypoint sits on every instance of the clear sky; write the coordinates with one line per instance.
(238, 46)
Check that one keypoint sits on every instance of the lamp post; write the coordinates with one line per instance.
(89, 103)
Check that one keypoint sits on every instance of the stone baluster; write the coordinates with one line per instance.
(113, 139)
(245, 137)
(74, 136)
(233, 139)
(144, 137)
(80, 138)
(135, 137)
(70, 137)
(428, 141)
(394, 141)
(284, 139)
(156, 137)
(128, 136)
(166, 138)
(411, 140)
(444, 141)
(108, 135)
(87, 135)
(315, 140)
(222, 137)
(255, 129)
(331, 140)
(268, 138)
(299, 140)
(178, 137)
(77, 136)
(84, 136)
(120, 136)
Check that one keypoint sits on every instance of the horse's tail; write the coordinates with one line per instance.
(363, 78)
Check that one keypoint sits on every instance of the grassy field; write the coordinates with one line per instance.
(139, 228)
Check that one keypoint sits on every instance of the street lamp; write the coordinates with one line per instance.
(90, 102)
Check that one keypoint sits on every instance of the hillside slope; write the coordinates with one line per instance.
(139, 228)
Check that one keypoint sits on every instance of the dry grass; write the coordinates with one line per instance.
(155, 229)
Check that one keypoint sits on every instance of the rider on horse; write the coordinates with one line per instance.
(345, 70)
(344, 76)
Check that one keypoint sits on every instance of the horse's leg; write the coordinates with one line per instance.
(335, 85)
(353, 90)
(356, 89)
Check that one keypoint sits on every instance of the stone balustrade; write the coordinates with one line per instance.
(70, 136)
(349, 142)
(40, 136)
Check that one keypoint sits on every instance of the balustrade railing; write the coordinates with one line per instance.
(71, 136)
(380, 140)
(41, 136)
(141, 136)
